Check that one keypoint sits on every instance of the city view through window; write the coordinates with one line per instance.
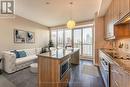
(81, 38)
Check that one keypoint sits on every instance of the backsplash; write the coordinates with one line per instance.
(123, 47)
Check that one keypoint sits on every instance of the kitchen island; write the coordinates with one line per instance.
(54, 67)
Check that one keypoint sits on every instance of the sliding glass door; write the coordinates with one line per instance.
(83, 41)
(87, 42)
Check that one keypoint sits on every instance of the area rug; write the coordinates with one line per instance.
(90, 70)
(5, 83)
(23, 78)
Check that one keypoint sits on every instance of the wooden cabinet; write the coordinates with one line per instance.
(122, 31)
(116, 76)
(106, 26)
(124, 7)
(109, 22)
(116, 10)
(119, 78)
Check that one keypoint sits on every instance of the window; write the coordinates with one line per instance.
(81, 38)
(60, 38)
(68, 38)
(54, 37)
(87, 41)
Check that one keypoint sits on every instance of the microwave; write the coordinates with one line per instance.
(64, 67)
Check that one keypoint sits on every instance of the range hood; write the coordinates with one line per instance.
(124, 20)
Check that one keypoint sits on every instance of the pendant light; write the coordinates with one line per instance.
(71, 23)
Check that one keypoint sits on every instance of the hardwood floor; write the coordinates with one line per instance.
(85, 75)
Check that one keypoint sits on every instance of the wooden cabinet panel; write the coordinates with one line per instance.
(119, 78)
(122, 31)
(106, 25)
(109, 22)
(116, 10)
(65, 80)
(124, 7)
(116, 76)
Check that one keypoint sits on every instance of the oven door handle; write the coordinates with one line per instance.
(104, 67)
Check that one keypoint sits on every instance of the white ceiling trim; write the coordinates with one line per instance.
(104, 6)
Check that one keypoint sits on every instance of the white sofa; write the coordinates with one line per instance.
(13, 64)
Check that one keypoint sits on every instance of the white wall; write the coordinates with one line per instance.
(99, 37)
(7, 27)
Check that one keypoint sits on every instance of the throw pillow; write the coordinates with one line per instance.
(16, 53)
(22, 54)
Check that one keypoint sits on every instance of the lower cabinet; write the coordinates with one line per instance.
(119, 78)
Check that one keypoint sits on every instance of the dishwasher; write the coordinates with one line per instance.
(105, 68)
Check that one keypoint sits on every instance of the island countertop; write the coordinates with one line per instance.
(59, 53)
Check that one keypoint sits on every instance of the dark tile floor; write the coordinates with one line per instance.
(85, 75)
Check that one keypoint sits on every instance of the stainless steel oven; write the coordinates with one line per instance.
(64, 67)
(105, 70)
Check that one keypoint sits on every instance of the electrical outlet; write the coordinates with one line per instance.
(126, 46)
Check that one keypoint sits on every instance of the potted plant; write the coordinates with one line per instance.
(50, 44)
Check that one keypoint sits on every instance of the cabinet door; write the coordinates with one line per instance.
(122, 31)
(112, 76)
(117, 76)
(110, 23)
(115, 11)
(124, 7)
(65, 80)
(126, 79)
(106, 25)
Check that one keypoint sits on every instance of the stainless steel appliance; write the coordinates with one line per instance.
(64, 67)
(105, 69)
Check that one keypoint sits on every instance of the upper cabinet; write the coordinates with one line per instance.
(124, 7)
(109, 22)
(116, 10)
(122, 31)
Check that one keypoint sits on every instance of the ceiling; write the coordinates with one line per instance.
(58, 12)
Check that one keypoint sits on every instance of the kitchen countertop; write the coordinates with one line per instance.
(122, 63)
(59, 53)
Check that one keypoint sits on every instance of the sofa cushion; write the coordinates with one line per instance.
(25, 59)
(30, 52)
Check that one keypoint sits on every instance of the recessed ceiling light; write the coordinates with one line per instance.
(47, 3)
